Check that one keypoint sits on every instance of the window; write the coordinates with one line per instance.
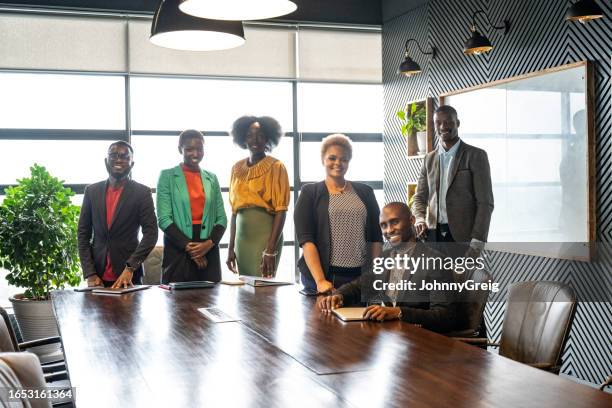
(50, 101)
(74, 161)
(340, 108)
(204, 104)
(161, 107)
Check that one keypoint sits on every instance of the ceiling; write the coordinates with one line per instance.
(394, 8)
(367, 12)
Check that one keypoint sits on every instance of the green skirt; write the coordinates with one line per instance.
(253, 228)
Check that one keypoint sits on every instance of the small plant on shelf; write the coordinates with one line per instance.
(414, 127)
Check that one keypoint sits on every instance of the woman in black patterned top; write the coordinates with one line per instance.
(336, 222)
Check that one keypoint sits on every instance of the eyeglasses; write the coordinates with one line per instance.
(117, 156)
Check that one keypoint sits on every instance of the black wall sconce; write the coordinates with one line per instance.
(410, 67)
(478, 43)
(584, 11)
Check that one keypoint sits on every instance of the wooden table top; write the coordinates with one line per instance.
(153, 348)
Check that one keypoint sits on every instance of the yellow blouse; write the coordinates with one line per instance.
(264, 185)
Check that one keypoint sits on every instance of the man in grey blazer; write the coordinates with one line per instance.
(454, 198)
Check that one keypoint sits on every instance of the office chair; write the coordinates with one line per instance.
(537, 323)
(606, 383)
(471, 305)
(22, 371)
(153, 267)
(54, 371)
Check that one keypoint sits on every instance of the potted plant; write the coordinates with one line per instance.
(38, 248)
(414, 127)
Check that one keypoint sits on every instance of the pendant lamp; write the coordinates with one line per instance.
(240, 10)
(171, 28)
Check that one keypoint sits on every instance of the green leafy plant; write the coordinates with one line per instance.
(414, 119)
(38, 239)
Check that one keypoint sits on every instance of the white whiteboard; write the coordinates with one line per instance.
(535, 132)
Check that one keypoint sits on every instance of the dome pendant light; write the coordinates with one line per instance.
(240, 10)
(584, 11)
(171, 28)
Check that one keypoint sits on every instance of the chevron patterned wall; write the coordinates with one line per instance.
(539, 38)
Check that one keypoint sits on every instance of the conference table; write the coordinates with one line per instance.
(153, 348)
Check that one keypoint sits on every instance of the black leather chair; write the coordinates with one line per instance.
(470, 308)
(606, 383)
(54, 371)
(538, 319)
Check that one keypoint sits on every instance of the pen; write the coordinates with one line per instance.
(165, 287)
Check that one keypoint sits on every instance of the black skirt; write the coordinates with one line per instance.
(177, 265)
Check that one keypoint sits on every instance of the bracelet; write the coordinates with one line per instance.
(264, 253)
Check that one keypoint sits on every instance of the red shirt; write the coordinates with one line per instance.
(197, 197)
(112, 198)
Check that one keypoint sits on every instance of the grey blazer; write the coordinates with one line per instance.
(469, 199)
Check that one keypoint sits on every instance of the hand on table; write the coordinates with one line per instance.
(327, 303)
(267, 266)
(380, 313)
(94, 280)
(124, 280)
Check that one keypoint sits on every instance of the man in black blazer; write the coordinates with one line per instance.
(434, 310)
(112, 213)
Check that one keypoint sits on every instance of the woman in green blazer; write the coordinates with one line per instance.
(191, 214)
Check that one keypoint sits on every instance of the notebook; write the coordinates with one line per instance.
(217, 315)
(191, 285)
(350, 314)
(119, 291)
(232, 282)
(88, 288)
(258, 281)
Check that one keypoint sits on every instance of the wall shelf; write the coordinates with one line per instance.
(414, 149)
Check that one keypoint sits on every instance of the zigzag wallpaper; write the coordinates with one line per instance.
(539, 38)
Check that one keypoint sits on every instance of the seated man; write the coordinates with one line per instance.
(434, 310)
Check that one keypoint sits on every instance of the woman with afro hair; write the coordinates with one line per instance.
(259, 196)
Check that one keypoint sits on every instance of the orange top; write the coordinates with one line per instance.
(197, 197)
(264, 185)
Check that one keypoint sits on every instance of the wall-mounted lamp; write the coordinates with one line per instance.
(240, 10)
(478, 43)
(584, 11)
(410, 67)
(171, 28)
